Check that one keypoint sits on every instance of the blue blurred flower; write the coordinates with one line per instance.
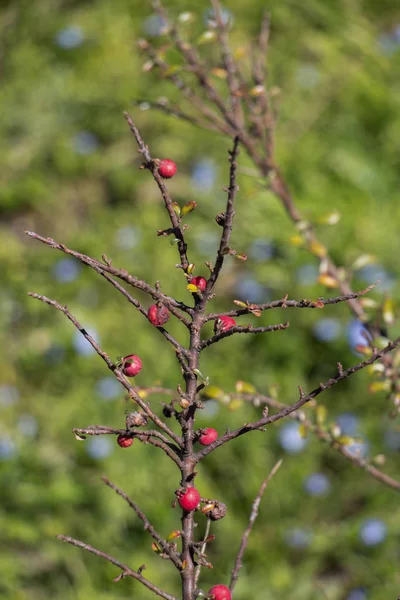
(211, 408)
(85, 142)
(327, 330)
(127, 237)
(358, 335)
(27, 425)
(210, 20)
(373, 532)
(7, 448)
(290, 439)
(317, 484)
(154, 26)
(66, 270)
(108, 388)
(262, 249)
(203, 175)
(99, 447)
(348, 423)
(371, 274)
(247, 288)
(81, 345)
(9, 394)
(359, 448)
(70, 37)
(307, 274)
(357, 594)
(298, 538)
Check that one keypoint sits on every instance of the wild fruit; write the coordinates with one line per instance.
(158, 314)
(131, 365)
(224, 323)
(124, 440)
(220, 592)
(208, 436)
(188, 499)
(167, 168)
(199, 282)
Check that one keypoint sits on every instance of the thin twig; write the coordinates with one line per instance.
(304, 398)
(122, 274)
(242, 329)
(147, 525)
(118, 374)
(153, 437)
(285, 303)
(126, 571)
(152, 166)
(202, 551)
(252, 519)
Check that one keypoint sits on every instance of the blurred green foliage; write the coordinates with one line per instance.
(69, 170)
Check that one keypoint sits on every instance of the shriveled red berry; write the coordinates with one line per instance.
(131, 365)
(220, 592)
(224, 323)
(167, 168)
(208, 436)
(188, 499)
(158, 314)
(199, 282)
(124, 441)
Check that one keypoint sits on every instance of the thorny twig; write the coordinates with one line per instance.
(126, 571)
(252, 519)
(147, 525)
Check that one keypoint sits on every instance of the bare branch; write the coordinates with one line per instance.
(285, 303)
(173, 555)
(126, 571)
(242, 329)
(228, 220)
(118, 374)
(252, 519)
(266, 419)
(122, 274)
(152, 166)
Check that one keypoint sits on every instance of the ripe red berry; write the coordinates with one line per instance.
(223, 324)
(189, 499)
(199, 282)
(131, 365)
(208, 436)
(124, 441)
(167, 168)
(220, 592)
(158, 314)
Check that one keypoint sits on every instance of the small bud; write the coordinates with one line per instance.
(220, 219)
(176, 208)
(327, 280)
(174, 535)
(184, 403)
(135, 419)
(217, 511)
(190, 269)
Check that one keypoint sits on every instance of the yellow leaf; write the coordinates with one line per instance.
(220, 73)
(235, 404)
(318, 249)
(327, 280)
(321, 413)
(192, 288)
(213, 392)
(207, 37)
(303, 431)
(242, 387)
(388, 311)
(379, 386)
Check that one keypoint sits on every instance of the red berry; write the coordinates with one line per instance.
(189, 499)
(124, 441)
(167, 168)
(208, 436)
(220, 592)
(131, 365)
(199, 282)
(223, 324)
(158, 314)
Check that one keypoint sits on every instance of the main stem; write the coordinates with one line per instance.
(188, 463)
